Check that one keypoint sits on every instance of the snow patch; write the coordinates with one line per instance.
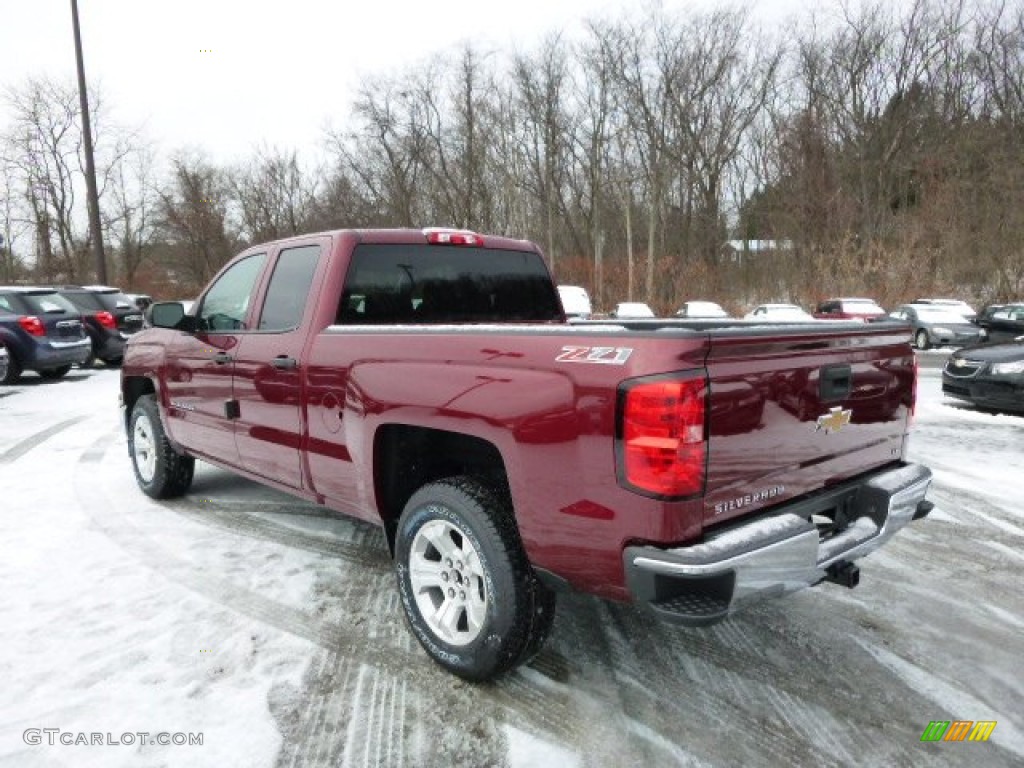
(528, 751)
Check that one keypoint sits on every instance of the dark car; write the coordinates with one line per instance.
(848, 309)
(42, 331)
(989, 376)
(1001, 322)
(933, 325)
(110, 318)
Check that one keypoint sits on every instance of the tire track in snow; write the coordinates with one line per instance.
(526, 702)
(950, 699)
(375, 735)
(370, 553)
(25, 445)
(107, 517)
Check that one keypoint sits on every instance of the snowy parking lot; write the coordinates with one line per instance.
(271, 629)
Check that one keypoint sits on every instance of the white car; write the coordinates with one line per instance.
(703, 309)
(575, 300)
(955, 305)
(632, 309)
(778, 313)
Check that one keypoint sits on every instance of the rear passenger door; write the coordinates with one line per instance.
(268, 377)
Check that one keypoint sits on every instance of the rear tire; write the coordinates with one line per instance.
(469, 593)
(55, 373)
(161, 472)
(13, 372)
(921, 339)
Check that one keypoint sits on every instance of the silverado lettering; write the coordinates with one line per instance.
(414, 379)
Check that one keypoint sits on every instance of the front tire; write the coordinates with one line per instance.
(921, 339)
(469, 593)
(161, 472)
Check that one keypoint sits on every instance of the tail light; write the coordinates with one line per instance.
(32, 325)
(661, 440)
(452, 237)
(107, 320)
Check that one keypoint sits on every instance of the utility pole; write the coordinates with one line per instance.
(92, 195)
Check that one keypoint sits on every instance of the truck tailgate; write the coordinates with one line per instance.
(795, 410)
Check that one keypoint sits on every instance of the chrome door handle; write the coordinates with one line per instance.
(284, 363)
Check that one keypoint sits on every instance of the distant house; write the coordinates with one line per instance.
(739, 251)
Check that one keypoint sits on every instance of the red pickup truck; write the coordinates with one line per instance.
(428, 381)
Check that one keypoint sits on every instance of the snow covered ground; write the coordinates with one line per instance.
(273, 629)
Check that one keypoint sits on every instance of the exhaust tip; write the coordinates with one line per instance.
(844, 574)
(923, 508)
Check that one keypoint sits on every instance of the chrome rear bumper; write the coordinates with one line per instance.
(772, 556)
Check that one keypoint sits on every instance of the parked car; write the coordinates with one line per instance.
(777, 313)
(988, 376)
(140, 300)
(1001, 322)
(575, 301)
(960, 307)
(701, 309)
(42, 331)
(505, 453)
(632, 309)
(110, 318)
(932, 325)
(849, 309)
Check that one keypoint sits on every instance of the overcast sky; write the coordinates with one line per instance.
(227, 75)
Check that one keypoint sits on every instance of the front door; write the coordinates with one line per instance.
(199, 380)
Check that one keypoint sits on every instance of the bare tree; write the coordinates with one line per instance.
(193, 217)
(540, 85)
(131, 210)
(275, 196)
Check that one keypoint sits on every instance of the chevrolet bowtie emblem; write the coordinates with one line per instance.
(834, 420)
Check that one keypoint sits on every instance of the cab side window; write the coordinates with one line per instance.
(288, 293)
(226, 304)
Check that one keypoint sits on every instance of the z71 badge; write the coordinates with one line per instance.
(597, 355)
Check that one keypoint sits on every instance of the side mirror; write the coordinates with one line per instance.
(171, 314)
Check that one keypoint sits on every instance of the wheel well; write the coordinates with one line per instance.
(407, 458)
(132, 389)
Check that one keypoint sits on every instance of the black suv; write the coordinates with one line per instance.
(42, 331)
(1001, 322)
(110, 318)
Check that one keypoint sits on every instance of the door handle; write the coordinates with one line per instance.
(222, 357)
(284, 363)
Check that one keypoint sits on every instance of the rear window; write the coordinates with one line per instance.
(420, 284)
(115, 300)
(85, 301)
(47, 303)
